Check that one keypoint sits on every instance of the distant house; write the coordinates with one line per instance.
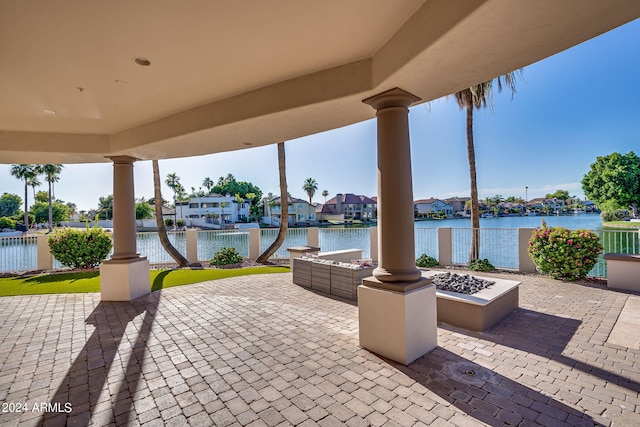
(347, 206)
(299, 210)
(457, 204)
(428, 207)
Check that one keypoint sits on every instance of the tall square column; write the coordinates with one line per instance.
(125, 276)
(397, 306)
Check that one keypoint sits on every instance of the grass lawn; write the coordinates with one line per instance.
(622, 224)
(69, 283)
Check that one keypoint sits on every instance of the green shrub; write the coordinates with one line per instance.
(80, 248)
(481, 265)
(426, 261)
(226, 256)
(562, 253)
(180, 223)
(614, 215)
(6, 222)
(168, 222)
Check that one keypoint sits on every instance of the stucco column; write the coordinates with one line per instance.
(125, 276)
(124, 209)
(396, 248)
(396, 307)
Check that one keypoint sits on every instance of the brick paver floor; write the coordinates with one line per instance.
(260, 351)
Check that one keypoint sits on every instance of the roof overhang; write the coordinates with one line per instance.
(232, 75)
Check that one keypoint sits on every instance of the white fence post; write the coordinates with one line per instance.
(192, 245)
(373, 243)
(313, 237)
(525, 263)
(254, 243)
(44, 257)
(445, 246)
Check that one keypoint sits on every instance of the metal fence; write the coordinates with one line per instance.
(615, 241)
(498, 245)
(426, 241)
(211, 241)
(335, 239)
(18, 253)
(295, 237)
(148, 244)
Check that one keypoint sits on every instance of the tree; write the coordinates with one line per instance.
(105, 205)
(284, 224)
(51, 175)
(24, 172)
(72, 209)
(271, 202)
(239, 200)
(222, 206)
(229, 185)
(614, 179)
(254, 210)
(9, 205)
(208, 184)
(41, 196)
(310, 186)
(33, 183)
(325, 193)
(143, 210)
(162, 229)
(40, 211)
(558, 194)
(173, 182)
(478, 96)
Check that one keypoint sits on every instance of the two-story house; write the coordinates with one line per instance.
(298, 210)
(429, 207)
(348, 206)
(215, 208)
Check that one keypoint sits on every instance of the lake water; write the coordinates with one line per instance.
(586, 221)
(498, 240)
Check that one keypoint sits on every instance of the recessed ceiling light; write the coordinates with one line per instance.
(48, 111)
(142, 61)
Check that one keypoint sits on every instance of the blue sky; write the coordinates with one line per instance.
(568, 109)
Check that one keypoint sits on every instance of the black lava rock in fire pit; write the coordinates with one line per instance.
(462, 284)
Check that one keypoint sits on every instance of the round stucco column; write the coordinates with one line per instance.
(396, 248)
(124, 209)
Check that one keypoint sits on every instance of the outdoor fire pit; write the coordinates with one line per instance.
(492, 300)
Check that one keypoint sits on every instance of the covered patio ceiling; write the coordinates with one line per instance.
(231, 75)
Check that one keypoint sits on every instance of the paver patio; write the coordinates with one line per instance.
(259, 350)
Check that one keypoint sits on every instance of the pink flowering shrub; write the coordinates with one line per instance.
(562, 253)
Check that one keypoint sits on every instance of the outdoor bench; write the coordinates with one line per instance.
(623, 271)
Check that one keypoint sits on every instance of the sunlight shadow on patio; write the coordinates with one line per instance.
(111, 357)
(550, 337)
(486, 395)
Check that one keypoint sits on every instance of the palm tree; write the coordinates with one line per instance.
(208, 184)
(478, 96)
(270, 201)
(284, 212)
(72, 209)
(251, 197)
(24, 172)
(162, 229)
(239, 200)
(310, 186)
(325, 193)
(33, 183)
(173, 182)
(51, 174)
(222, 206)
